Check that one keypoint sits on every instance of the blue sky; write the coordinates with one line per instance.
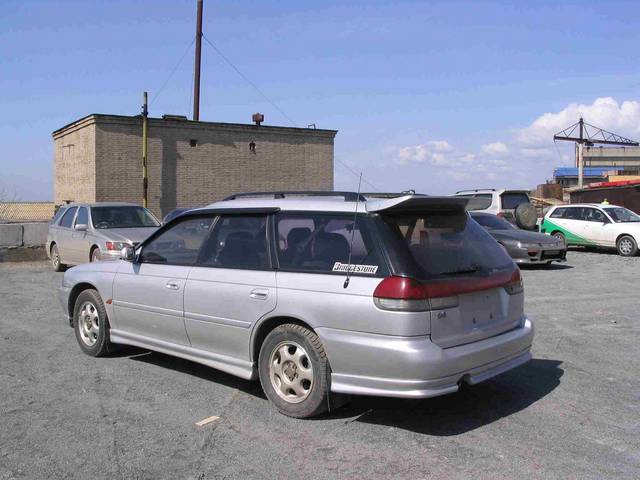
(435, 96)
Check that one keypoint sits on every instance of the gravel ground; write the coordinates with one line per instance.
(572, 412)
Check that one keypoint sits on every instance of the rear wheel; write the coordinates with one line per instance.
(627, 246)
(91, 324)
(294, 371)
(55, 259)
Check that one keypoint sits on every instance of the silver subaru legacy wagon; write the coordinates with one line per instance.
(315, 295)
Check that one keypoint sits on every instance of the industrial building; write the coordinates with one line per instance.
(602, 164)
(190, 163)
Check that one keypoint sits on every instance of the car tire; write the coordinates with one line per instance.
(294, 371)
(627, 246)
(560, 236)
(526, 216)
(95, 255)
(91, 324)
(55, 259)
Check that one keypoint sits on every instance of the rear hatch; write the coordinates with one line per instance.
(471, 283)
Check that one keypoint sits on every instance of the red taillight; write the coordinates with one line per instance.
(407, 294)
(515, 283)
(400, 288)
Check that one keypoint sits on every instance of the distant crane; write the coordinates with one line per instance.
(588, 135)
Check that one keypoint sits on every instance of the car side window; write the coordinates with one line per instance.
(67, 218)
(82, 218)
(179, 244)
(594, 215)
(57, 215)
(574, 213)
(558, 212)
(237, 241)
(321, 243)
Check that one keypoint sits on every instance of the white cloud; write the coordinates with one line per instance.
(495, 148)
(441, 145)
(605, 112)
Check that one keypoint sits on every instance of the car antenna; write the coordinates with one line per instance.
(353, 232)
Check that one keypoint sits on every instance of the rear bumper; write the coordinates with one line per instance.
(414, 367)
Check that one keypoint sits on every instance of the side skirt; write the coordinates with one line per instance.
(234, 366)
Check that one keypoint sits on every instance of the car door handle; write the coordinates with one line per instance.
(259, 293)
(172, 285)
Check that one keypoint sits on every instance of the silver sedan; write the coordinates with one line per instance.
(87, 232)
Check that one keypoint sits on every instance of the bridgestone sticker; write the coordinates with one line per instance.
(345, 267)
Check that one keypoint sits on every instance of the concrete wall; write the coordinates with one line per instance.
(75, 163)
(23, 234)
(181, 175)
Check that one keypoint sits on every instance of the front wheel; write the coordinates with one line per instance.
(627, 246)
(91, 324)
(294, 371)
(560, 236)
(95, 255)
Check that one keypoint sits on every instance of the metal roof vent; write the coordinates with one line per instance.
(257, 118)
(168, 116)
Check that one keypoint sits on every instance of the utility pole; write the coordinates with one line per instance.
(196, 76)
(145, 180)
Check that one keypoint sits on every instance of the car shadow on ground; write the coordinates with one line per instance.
(464, 411)
(195, 369)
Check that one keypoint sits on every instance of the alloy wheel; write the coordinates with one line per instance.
(88, 323)
(291, 372)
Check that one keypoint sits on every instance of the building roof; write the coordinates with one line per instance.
(588, 171)
(94, 118)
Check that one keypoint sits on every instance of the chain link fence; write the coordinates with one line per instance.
(20, 212)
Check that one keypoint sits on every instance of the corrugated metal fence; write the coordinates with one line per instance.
(17, 212)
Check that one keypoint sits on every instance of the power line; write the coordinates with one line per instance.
(273, 104)
(356, 174)
(155, 96)
(246, 79)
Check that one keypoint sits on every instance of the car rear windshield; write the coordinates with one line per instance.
(122, 217)
(511, 201)
(447, 245)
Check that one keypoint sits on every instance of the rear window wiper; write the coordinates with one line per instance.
(461, 271)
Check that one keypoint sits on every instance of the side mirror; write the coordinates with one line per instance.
(81, 227)
(128, 253)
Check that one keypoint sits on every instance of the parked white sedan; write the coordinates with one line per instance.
(595, 225)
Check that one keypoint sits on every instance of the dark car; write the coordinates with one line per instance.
(173, 214)
(525, 247)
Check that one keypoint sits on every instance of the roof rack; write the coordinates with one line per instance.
(348, 196)
(477, 190)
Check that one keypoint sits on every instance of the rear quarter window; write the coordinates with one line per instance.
(558, 213)
(321, 243)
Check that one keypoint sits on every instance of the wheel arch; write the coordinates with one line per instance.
(92, 249)
(626, 235)
(73, 296)
(267, 325)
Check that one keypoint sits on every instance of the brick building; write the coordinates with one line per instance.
(99, 158)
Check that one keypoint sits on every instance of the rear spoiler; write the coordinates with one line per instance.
(418, 204)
